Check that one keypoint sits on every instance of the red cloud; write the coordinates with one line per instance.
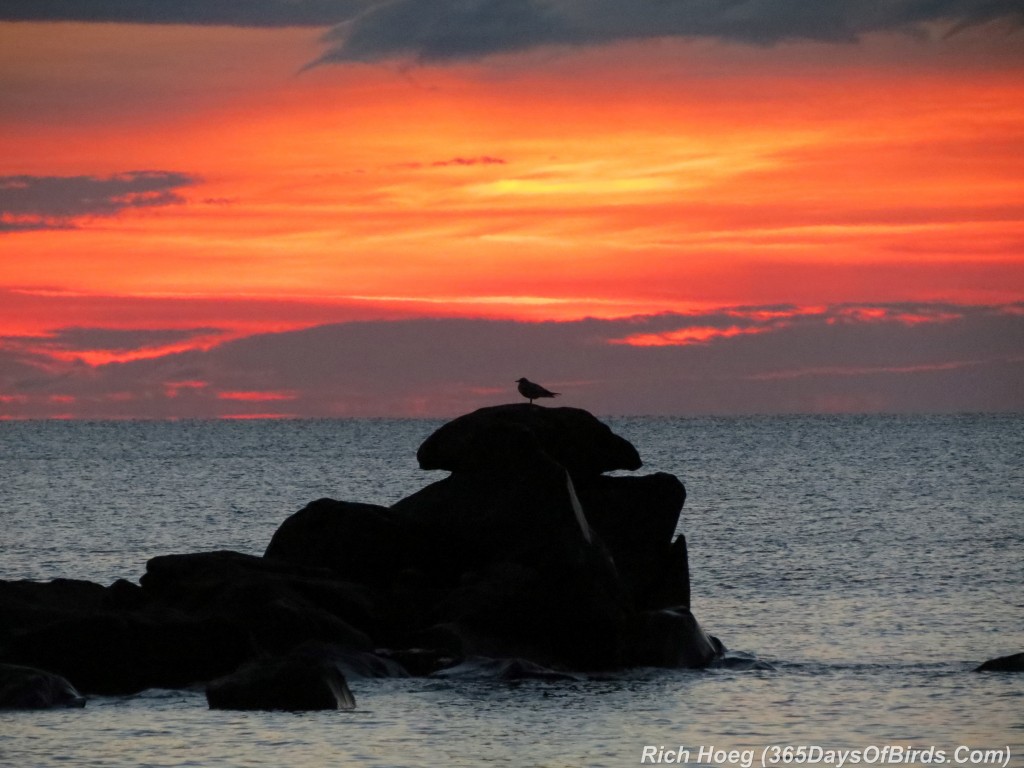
(256, 396)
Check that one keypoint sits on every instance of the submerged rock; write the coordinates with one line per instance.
(28, 688)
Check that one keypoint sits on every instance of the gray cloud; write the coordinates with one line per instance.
(54, 202)
(445, 30)
(894, 358)
(455, 29)
(238, 13)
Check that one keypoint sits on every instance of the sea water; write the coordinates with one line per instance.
(857, 567)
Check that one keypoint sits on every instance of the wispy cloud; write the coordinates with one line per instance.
(100, 346)
(694, 334)
(463, 161)
(257, 397)
(59, 202)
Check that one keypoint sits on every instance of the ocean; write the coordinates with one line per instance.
(856, 567)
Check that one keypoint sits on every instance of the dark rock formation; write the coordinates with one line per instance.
(671, 637)
(27, 688)
(196, 617)
(361, 542)
(1012, 663)
(306, 678)
(527, 550)
(504, 436)
(636, 517)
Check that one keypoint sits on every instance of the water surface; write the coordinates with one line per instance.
(872, 561)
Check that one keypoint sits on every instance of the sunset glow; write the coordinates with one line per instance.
(170, 189)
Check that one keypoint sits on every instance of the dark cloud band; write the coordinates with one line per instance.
(906, 357)
(54, 202)
(458, 29)
(235, 13)
(443, 30)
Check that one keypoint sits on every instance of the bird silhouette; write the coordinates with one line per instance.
(532, 391)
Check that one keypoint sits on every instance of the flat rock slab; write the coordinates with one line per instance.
(506, 438)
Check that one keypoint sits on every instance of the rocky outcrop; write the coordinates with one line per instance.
(27, 688)
(527, 550)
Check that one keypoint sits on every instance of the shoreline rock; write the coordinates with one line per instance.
(28, 688)
(527, 550)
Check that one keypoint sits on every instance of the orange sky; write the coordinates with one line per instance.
(633, 178)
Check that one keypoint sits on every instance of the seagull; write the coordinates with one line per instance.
(532, 391)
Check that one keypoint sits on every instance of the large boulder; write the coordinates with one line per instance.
(28, 688)
(31, 604)
(277, 603)
(195, 617)
(111, 653)
(506, 567)
(636, 518)
(508, 437)
(466, 522)
(358, 542)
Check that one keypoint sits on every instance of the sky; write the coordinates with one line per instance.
(332, 208)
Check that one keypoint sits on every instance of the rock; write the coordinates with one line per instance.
(636, 518)
(671, 638)
(28, 688)
(570, 616)
(466, 522)
(357, 542)
(258, 594)
(526, 551)
(1012, 663)
(111, 653)
(505, 437)
(674, 588)
(196, 617)
(31, 604)
(307, 678)
(511, 571)
(84, 632)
